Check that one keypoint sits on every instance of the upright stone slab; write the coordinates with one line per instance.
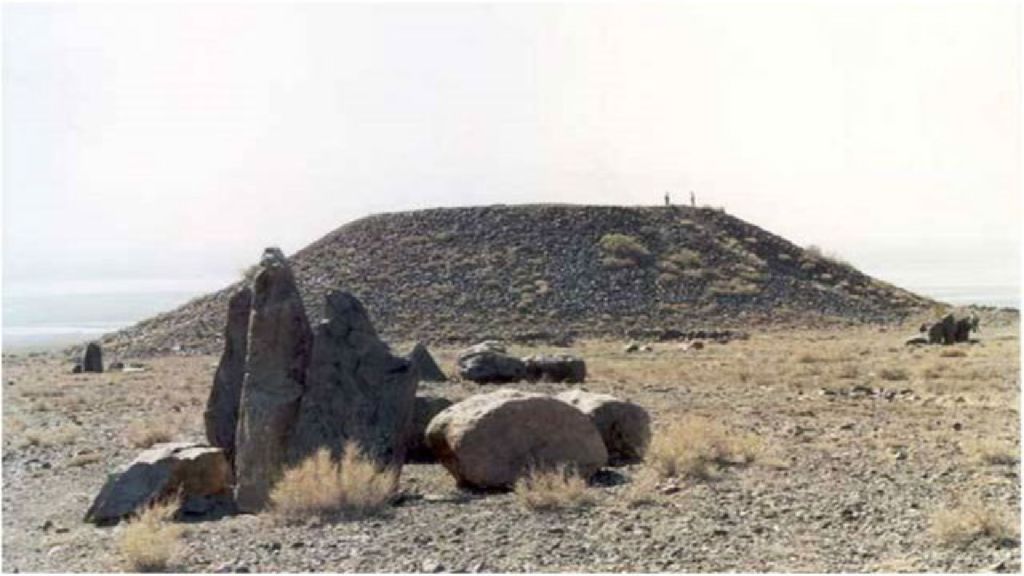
(424, 362)
(221, 416)
(92, 360)
(356, 391)
(278, 351)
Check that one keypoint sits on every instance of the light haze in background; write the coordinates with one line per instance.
(156, 149)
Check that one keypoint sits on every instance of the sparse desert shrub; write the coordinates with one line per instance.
(699, 448)
(736, 286)
(808, 358)
(642, 489)
(952, 353)
(893, 374)
(553, 489)
(149, 541)
(622, 250)
(972, 520)
(355, 487)
(144, 434)
(59, 436)
(992, 451)
(849, 371)
(83, 459)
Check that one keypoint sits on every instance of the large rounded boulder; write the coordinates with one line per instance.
(488, 441)
(625, 427)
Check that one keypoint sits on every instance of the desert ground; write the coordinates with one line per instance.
(837, 451)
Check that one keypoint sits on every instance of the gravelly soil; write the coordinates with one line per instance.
(865, 441)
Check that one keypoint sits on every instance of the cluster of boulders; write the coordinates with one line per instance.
(284, 389)
(669, 334)
(489, 363)
(490, 440)
(948, 330)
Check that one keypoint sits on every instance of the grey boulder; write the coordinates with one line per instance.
(425, 364)
(624, 426)
(488, 363)
(160, 472)
(425, 408)
(560, 368)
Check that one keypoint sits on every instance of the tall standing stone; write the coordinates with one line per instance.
(92, 360)
(221, 416)
(277, 357)
(357, 390)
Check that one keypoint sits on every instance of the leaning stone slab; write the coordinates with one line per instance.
(356, 390)
(488, 441)
(161, 471)
(624, 426)
(279, 343)
(221, 415)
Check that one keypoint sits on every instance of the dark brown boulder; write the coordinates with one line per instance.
(425, 408)
(278, 352)
(356, 389)
(425, 364)
(92, 359)
(221, 415)
(943, 331)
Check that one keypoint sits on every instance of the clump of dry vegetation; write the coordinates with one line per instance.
(952, 353)
(992, 451)
(59, 436)
(970, 521)
(149, 541)
(623, 251)
(893, 374)
(354, 487)
(144, 434)
(699, 448)
(552, 489)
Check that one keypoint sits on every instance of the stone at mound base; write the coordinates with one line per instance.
(426, 407)
(279, 343)
(92, 359)
(488, 441)
(943, 331)
(159, 472)
(221, 415)
(425, 364)
(561, 368)
(487, 363)
(624, 426)
(356, 390)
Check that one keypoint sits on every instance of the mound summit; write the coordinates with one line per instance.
(461, 274)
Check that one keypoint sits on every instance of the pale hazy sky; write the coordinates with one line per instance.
(155, 141)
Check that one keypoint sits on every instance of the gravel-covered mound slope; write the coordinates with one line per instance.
(453, 274)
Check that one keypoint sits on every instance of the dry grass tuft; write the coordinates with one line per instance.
(149, 541)
(557, 489)
(355, 487)
(893, 374)
(699, 448)
(952, 353)
(83, 459)
(972, 521)
(992, 451)
(59, 436)
(144, 434)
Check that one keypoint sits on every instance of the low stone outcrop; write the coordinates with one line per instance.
(221, 415)
(624, 426)
(161, 471)
(425, 364)
(92, 359)
(425, 408)
(488, 441)
(279, 345)
(488, 363)
(560, 368)
(356, 390)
